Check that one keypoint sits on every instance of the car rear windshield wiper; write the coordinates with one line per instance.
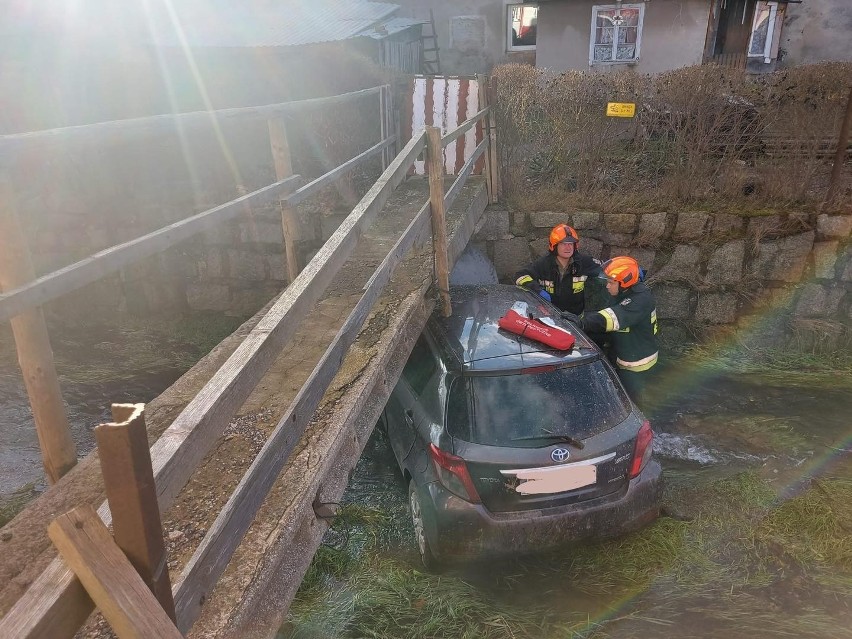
(559, 437)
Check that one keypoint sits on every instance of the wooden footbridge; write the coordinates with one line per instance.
(307, 377)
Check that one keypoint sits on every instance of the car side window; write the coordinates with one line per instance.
(458, 409)
(420, 367)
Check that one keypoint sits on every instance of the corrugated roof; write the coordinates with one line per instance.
(390, 27)
(279, 24)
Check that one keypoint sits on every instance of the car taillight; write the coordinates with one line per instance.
(642, 450)
(452, 472)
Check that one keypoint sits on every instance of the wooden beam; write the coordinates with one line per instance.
(56, 595)
(303, 193)
(109, 578)
(213, 554)
(481, 81)
(129, 483)
(35, 356)
(284, 169)
(492, 145)
(439, 221)
(462, 128)
(119, 130)
(383, 123)
(110, 260)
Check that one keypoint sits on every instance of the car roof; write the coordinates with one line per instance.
(472, 335)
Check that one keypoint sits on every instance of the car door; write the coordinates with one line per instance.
(404, 409)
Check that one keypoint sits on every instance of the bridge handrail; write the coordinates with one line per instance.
(56, 601)
(74, 276)
(462, 128)
(114, 130)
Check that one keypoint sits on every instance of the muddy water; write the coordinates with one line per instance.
(711, 432)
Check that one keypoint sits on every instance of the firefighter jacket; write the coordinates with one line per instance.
(632, 321)
(566, 292)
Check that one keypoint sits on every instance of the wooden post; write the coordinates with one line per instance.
(486, 129)
(86, 546)
(840, 154)
(283, 169)
(35, 356)
(383, 124)
(492, 142)
(435, 151)
(132, 495)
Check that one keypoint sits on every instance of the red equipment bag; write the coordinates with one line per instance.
(537, 330)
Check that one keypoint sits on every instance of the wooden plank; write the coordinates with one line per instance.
(56, 592)
(110, 260)
(462, 128)
(483, 102)
(109, 578)
(213, 554)
(492, 146)
(35, 356)
(129, 483)
(118, 130)
(303, 193)
(439, 217)
(283, 169)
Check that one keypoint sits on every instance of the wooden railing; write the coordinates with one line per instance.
(57, 604)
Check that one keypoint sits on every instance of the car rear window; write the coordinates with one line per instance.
(525, 409)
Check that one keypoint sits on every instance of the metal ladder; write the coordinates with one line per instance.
(430, 63)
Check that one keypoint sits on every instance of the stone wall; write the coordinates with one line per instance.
(706, 269)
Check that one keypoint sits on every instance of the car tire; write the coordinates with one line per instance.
(420, 518)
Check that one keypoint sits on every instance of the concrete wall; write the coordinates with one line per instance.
(672, 36)
(705, 269)
(817, 30)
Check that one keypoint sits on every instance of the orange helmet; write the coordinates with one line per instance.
(563, 233)
(622, 269)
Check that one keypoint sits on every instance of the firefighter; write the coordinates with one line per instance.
(631, 322)
(561, 275)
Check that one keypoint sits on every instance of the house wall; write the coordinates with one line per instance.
(471, 33)
(817, 30)
(672, 36)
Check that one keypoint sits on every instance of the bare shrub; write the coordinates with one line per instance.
(701, 135)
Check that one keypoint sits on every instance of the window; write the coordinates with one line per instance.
(420, 366)
(616, 33)
(763, 31)
(522, 24)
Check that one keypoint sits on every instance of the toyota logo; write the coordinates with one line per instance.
(559, 454)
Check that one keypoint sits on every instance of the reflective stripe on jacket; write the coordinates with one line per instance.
(567, 292)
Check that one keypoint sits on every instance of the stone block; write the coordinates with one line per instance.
(620, 223)
(203, 296)
(726, 225)
(276, 265)
(540, 246)
(586, 220)
(683, 264)
(547, 219)
(690, 226)
(212, 265)
(248, 301)
(494, 225)
(261, 232)
(847, 270)
(782, 260)
(645, 257)
(510, 255)
(726, 264)
(765, 226)
(834, 225)
(817, 300)
(673, 302)
(652, 228)
(244, 265)
(825, 258)
(591, 246)
(613, 239)
(716, 308)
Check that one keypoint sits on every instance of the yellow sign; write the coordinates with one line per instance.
(621, 109)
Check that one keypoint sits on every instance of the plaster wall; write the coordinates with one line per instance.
(673, 35)
(817, 30)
